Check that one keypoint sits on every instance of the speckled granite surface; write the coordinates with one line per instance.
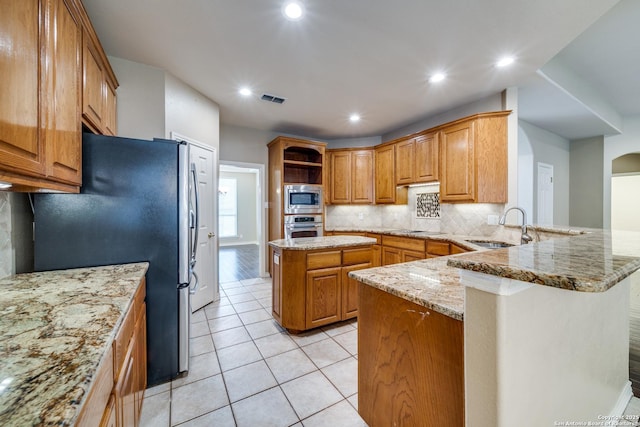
(588, 262)
(592, 262)
(430, 283)
(55, 328)
(309, 243)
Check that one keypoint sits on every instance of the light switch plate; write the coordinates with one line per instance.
(492, 219)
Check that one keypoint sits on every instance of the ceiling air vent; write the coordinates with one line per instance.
(272, 98)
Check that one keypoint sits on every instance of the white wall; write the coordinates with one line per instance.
(141, 99)
(240, 144)
(538, 145)
(190, 113)
(247, 224)
(586, 192)
(490, 103)
(508, 374)
(16, 235)
(616, 146)
(625, 203)
(6, 244)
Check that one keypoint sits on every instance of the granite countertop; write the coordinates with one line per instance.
(55, 329)
(592, 262)
(579, 261)
(459, 240)
(430, 283)
(310, 243)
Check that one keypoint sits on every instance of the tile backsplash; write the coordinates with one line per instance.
(418, 214)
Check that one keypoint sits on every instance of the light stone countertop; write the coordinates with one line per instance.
(55, 329)
(430, 283)
(328, 242)
(591, 261)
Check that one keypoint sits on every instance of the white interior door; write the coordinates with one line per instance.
(545, 194)
(205, 160)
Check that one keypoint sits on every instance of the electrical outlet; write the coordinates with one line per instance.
(360, 216)
(492, 219)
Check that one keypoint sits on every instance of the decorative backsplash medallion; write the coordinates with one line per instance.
(428, 205)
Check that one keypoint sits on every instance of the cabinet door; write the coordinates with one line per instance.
(405, 158)
(391, 255)
(323, 297)
(140, 363)
(109, 418)
(63, 135)
(124, 392)
(385, 187)
(340, 177)
(376, 256)
(20, 147)
(276, 283)
(110, 111)
(350, 291)
(93, 88)
(457, 161)
(362, 176)
(427, 158)
(412, 256)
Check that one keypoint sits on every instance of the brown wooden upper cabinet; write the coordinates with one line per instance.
(99, 87)
(417, 159)
(386, 190)
(351, 176)
(42, 94)
(473, 153)
(40, 130)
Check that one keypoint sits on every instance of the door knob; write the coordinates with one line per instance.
(210, 235)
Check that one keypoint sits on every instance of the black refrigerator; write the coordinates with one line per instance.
(138, 202)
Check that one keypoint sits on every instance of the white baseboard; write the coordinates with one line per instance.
(623, 400)
(221, 244)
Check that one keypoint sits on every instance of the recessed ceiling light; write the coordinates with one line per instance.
(507, 60)
(437, 77)
(292, 10)
(354, 118)
(245, 91)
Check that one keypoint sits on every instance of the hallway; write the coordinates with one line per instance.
(238, 262)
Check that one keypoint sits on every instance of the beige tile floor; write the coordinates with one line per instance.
(246, 370)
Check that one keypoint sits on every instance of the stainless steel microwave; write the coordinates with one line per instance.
(302, 199)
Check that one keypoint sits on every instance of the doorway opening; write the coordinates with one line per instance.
(625, 181)
(241, 221)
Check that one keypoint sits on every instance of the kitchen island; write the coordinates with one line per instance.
(542, 334)
(57, 330)
(310, 279)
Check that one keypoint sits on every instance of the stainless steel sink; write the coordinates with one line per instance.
(490, 244)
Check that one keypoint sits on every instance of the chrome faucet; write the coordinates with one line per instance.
(524, 237)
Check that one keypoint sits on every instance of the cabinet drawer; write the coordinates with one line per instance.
(455, 249)
(324, 259)
(404, 243)
(138, 300)
(356, 256)
(375, 236)
(122, 340)
(437, 248)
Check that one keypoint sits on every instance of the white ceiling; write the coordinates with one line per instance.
(369, 56)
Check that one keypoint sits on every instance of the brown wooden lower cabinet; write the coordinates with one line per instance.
(311, 288)
(410, 363)
(324, 297)
(115, 399)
